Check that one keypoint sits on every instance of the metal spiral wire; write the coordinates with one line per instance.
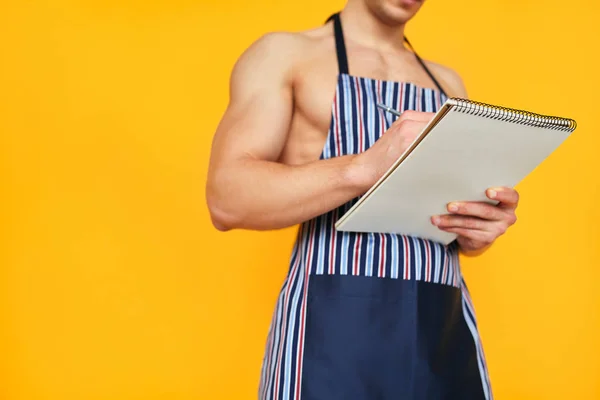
(512, 115)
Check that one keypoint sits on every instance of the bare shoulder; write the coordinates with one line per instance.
(271, 55)
(277, 43)
(450, 80)
(261, 98)
(276, 52)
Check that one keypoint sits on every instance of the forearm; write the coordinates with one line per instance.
(261, 195)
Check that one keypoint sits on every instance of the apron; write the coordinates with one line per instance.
(369, 316)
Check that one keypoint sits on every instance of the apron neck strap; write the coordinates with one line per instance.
(342, 56)
(340, 46)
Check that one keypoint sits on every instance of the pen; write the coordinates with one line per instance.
(388, 109)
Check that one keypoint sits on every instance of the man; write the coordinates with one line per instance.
(360, 316)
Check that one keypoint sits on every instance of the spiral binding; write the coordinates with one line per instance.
(513, 115)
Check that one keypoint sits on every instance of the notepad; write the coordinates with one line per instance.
(465, 149)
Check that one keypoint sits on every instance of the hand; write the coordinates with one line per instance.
(376, 160)
(479, 224)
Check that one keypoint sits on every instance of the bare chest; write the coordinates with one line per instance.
(317, 83)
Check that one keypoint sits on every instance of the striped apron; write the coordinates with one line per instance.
(368, 316)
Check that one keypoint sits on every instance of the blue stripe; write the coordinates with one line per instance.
(291, 339)
(282, 353)
(326, 236)
(317, 245)
(344, 115)
(394, 101)
(367, 252)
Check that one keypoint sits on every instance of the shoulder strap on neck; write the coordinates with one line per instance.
(437, 84)
(342, 56)
(340, 46)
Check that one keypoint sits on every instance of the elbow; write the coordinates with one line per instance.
(221, 219)
(219, 223)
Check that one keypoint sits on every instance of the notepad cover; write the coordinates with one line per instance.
(458, 158)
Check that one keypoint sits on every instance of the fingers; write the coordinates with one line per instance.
(411, 127)
(410, 115)
(459, 221)
(478, 224)
(415, 116)
(508, 198)
(477, 209)
(464, 224)
(411, 123)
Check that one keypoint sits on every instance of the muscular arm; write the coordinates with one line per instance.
(247, 187)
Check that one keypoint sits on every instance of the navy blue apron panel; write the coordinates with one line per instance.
(383, 339)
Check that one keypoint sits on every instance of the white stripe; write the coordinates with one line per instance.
(370, 254)
(473, 329)
(470, 307)
(457, 273)
(303, 289)
(450, 270)
(395, 257)
(280, 318)
(353, 129)
(332, 257)
(445, 266)
(268, 365)
(344, 254)
(321, 248)
(428, 101)
(437, 248)
(276, 368)
(294, 316)
(371, 114)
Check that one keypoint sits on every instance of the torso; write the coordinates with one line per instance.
(365, 315)
(314, 80)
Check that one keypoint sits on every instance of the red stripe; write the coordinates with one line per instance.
(428, 257)
(356, 255)
(360, 149)
(337, 127)
(302, 315)
(284, 322)
(360, 121)
(381, 119)
(406, 258)
(381, 256)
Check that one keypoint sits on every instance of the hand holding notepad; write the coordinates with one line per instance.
(466, 148)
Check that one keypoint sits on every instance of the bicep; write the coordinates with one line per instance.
(257, 118)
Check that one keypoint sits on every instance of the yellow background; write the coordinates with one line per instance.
(113, 283)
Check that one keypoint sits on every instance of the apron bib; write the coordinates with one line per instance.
(368, 316)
